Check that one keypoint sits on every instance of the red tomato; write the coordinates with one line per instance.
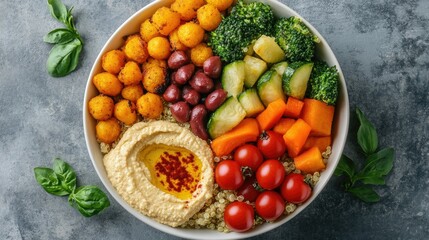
(248, 190)
(270, 174)
(294, 189)
(228, 175)
(249, 155)
(239, 216)
(270, 205)
(271, 144)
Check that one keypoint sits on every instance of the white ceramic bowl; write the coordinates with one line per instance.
(340, 126)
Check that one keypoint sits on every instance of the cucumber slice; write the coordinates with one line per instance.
(250, 101)
(255, 67)
(226, 117)
(269, 87)
(280, 67)
(295, 79)
(267, 48)
(233, 77)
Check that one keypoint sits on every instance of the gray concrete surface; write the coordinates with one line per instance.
(382, 46)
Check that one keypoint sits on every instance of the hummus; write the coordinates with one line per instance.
(163, 170)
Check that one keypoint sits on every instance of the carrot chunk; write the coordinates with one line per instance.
(293, 107)
(310, 161)
(271, 115)
(320, 142)
(319, 116)
(296, 136)
(246, 131)
(283, 125)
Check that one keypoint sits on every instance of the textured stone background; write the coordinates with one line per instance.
(382, 46)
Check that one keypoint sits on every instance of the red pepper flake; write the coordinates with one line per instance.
(174, 168)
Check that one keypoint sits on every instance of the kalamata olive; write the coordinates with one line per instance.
(201, 82)
(215, 99)
(177, 59)
(198, 121)
(191, 95)
(172, 94)
(213, 67)
(184, 73)
(180, 111)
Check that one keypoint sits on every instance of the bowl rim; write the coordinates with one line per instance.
(210, 234)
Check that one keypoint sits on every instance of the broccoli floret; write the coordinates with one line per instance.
(323, 83)
(296, 40)
(235, 33)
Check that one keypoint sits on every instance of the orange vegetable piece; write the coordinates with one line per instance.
(320, 142)
(310, 161)
(319, 116)
(296, 136)
(293, 107)
(246, 131)
(271, 115)
(283, 125)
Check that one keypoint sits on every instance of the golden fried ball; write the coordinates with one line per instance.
(101, 107)
(125, 111)
(150, 105)
(190, 34)
(209, 17)
(107, 83)
(132, 92)
(154, 79)
(186, 8)
(200, 53)
(136, 49)
(159, 48)
(148, 30)
(113, 61)
(108, 131)
(152, 62)
(220, 4)
(165, 20)
(175, 41)
(130, 74)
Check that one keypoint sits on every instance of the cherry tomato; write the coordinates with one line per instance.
(294, 189)
(239, 216)
(270, 205)
(270, 174)
(228, 175)
(248, 155)
(248, 190)
(271, 144)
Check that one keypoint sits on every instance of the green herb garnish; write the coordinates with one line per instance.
(64, 56)
(377, 165)
(61, 181)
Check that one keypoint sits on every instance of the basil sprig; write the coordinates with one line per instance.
(61, 181)
(64, 56)
(377, 165)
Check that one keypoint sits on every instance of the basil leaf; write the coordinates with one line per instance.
(69, 20)
(47, 178)
(365, 193)
(373, 179)
(64, 58)
(60, 36)
(345, 165)
(66, 174)
(366, 135)
(58, 10)
(378, 164)
(89, 200)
